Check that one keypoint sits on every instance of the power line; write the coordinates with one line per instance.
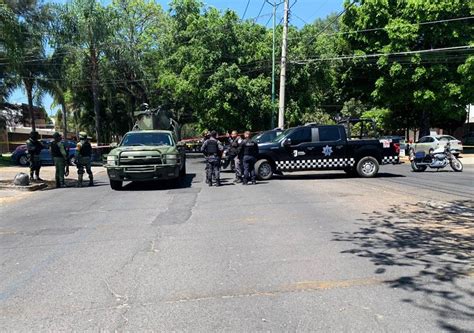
(385, 28)
(377, 55)
(261, 9)
(245, 11)
(332, 21)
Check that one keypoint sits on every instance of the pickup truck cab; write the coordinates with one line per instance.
(324, 147)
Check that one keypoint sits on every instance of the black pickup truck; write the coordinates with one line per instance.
(328, 147)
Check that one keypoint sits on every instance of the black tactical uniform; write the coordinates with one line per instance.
(212, 149)
(34, 147)
(250, 154)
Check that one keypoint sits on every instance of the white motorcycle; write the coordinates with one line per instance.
(438, 159)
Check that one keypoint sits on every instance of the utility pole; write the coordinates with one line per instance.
(275, 5)
(281, 104)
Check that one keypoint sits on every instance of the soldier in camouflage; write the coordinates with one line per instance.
(34, 147)
(83, 159)
(58, 152)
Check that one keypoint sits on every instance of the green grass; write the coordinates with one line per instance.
(5, 160)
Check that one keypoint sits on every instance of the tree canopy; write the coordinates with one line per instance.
(407, 64)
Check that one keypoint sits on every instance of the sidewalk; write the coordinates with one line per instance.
(47, 173)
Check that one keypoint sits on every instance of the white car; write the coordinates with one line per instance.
(430, 143)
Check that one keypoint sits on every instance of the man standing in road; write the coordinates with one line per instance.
(234, 141)
(58, 152)
(250, 154)
(34, 147)
(83, 159)
(212, 150)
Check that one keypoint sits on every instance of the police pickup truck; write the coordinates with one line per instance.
(325, 147)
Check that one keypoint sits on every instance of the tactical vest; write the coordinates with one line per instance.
(34, 147)
(86, 149)
(212, 147)
(55, 150)
(250, 148)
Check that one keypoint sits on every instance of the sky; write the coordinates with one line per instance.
(302, 12)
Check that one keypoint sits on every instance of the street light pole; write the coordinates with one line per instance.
(281, 104)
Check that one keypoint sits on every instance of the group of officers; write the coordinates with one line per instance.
(60, 155)
(243, 152)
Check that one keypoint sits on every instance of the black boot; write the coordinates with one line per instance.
(79, 181)
(91, 181)
(218, 183)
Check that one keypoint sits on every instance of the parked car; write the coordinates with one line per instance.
(428, 144)
(20, 155)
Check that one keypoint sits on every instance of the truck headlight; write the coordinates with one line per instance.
(172, 159)
(112, 160)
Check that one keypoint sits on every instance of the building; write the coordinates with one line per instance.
(15, 125)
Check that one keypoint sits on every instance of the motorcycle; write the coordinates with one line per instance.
(438, 159)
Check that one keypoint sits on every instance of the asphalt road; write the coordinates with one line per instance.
(303, 252)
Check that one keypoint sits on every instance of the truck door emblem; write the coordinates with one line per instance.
(297, 153)
(327, 151)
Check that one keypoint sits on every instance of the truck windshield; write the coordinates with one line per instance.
(147, 139)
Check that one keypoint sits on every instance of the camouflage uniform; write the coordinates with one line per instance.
(58, 151)
(34, 147)
(83, 159)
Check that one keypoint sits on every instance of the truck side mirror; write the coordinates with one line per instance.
(287, 142)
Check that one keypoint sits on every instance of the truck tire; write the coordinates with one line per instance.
(116, 185)
(367, 167)
(264, 170)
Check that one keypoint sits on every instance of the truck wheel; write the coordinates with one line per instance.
(417, 168)
(116, 185)
(264, 170)
(367, 167)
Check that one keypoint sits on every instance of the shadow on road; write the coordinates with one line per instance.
(330, 176)
(435, 242)
(160, 185)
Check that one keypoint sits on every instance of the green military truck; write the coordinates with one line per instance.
(149, 152)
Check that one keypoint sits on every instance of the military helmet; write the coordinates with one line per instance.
(34, 134)
(82, 135)
(56, 135)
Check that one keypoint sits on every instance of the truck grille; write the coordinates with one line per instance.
(140, 158)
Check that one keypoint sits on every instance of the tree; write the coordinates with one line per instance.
(23, 48)
(85, 24)
(430, 86)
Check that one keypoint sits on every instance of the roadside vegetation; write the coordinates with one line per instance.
(407, 64)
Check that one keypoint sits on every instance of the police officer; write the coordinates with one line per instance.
(212, 150)
(83, 159)
(58, 151)
(34, 147)
(250, 154)
(234, 151)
